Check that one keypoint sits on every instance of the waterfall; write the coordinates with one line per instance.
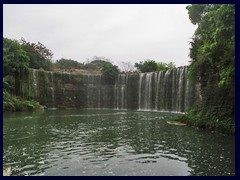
(126, 90)
(99, 93)
(148, 91)
(95, 91)
(88, 91)
(140, 91)
(156, 82)
(35, 83)
(160, 90)
(187, 92)
(120, 92)
(166, 91)
(181, 90)
(174, 90)
(116, 93)
(52, 91)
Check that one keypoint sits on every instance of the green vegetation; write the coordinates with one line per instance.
(109, 72)
(165, 66)
(97, 64)
(39, 55)
(67, 64)
(13, 103)
(22, 85)
(15, 58)
(213, 66)
(151, 65)
(15, 61)
(146, 66)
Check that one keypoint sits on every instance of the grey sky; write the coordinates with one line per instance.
(119, 32)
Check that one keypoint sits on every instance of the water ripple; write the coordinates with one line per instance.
(112, 143)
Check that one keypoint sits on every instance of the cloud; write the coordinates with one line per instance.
(120, 32)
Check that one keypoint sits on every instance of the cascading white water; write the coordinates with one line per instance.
(122, 96)
(187, 92)
(88, 91)
(120, 92)
(126, 90)
(172, 91)
(52, 90)
(167, 91)
(181, 89)
(99, 93)
(116, 93)
(148, 92)
(94, 91)
(140, 91)
(160, 91)
(35, 84)
(156, 89)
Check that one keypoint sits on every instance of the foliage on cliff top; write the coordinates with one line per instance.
(151, 66)
(14, 57)
(67, 64)
(109, 72)
(39, 55)
(20, 55)
(146, 66)
(96, 64)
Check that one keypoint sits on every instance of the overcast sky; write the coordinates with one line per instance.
(129, 33)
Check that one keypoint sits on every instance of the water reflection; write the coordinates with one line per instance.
(94, 142)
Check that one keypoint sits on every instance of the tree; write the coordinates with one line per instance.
(161, 66)
(150, 66)
(213, 43)
(40, 56)
(15, 60)
(146, 66)
(126, 67)
(109, 72)
(68, 64)
(14, 57)
(171, 65)
(212, 65)
(39, 47)
(97, 63)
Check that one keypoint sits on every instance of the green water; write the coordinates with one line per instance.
(108, 142)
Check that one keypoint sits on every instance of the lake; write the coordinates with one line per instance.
(111, 142)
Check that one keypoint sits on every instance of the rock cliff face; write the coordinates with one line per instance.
(163, 91)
